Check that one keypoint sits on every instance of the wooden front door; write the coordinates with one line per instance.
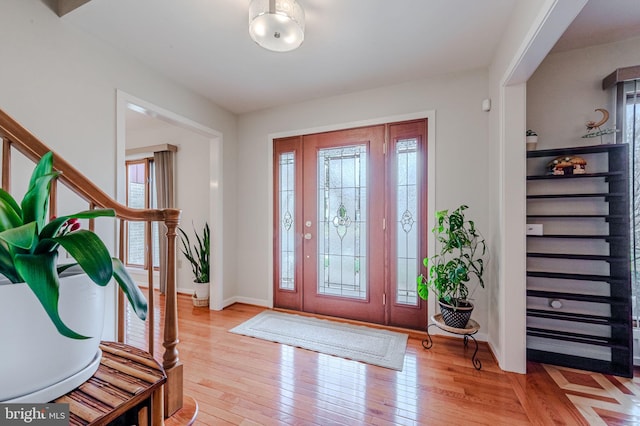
(343, 212)
(347, 213)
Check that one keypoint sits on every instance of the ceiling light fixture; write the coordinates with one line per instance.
(276, 25)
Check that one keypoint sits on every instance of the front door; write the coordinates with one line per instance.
(348, 212)
(343, 211)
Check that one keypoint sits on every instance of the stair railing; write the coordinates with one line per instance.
(16, 137)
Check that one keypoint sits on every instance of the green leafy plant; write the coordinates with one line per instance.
(460, 257)
(531, 133)
(29, 247)
(198, 257)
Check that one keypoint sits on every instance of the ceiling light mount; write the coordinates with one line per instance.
(276, 25)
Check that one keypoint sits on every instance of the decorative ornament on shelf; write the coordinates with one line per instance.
(567, 165)
(594, 128)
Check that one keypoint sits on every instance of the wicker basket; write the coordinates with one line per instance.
(456, 316)
(200, 302)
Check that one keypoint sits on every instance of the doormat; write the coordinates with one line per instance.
(359, 343)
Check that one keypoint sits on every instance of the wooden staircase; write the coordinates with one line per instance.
(15, 137)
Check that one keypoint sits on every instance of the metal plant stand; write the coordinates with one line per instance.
(468, 332)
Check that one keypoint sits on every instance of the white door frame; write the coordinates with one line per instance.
(126, 101)
(430, 115)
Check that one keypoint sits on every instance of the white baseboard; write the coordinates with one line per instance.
(248, 300)
(183, 290)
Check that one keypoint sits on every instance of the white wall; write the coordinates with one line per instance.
(461, 159)
(533, 29)
(192, 184)
(61, 84)
(567, 87)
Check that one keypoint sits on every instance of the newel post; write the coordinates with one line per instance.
(173, 390)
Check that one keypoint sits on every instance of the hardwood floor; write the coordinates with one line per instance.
(239, 380)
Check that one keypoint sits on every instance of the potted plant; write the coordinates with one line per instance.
(40, 296)
(460, 258)
(532, 140)
(198, 257)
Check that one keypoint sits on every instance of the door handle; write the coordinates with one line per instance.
(307, 236)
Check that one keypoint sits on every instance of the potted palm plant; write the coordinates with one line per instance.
(51, 316)
(459, 259)
(199, 258)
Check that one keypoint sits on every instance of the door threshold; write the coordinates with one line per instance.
(415, 334)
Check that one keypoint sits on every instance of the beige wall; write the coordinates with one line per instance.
(192, 183)
(564, 91)
(461, 158)
(61, 84)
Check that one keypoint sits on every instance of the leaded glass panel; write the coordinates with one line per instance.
(342, 221)
(407, 213)
(286, 193)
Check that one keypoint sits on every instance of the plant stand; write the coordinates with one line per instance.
(468, 332)
(126, 389)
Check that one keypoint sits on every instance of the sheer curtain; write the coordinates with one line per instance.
(164, 162)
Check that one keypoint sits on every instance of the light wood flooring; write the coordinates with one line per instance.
(238, 380)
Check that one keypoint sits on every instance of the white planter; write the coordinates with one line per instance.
(201, 294)
(38, 364)
(532, 142)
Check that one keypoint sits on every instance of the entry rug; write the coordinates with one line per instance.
(359, 343)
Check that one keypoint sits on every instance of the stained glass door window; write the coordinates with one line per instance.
(342, 221)
(406, 151)
(287, 225)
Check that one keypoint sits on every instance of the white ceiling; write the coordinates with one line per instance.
(600, 22)
(350, 45)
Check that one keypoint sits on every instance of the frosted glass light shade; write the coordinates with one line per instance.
(276, 25)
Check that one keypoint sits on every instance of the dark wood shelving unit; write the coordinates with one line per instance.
(570, 316)
(606, 217)
(579, 277)
(617, 302)
(577, 256)
(582, 329)
(584, 237)
(565, 196)
(582, 176)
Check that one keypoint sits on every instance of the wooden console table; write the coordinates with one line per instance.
(126, 389)
(468, 332)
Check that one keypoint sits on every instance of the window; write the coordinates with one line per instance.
(631, 135)
(407, 204)
(141, 194)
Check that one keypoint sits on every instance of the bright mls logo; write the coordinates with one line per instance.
(34, 414)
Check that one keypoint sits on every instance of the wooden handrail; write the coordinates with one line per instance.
(32, 148)
(17, 137)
